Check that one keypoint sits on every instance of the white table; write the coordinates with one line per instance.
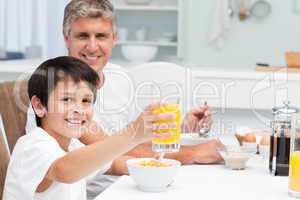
(213, 182)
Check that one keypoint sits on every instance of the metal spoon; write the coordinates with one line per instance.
(203, 132)
(161, 156)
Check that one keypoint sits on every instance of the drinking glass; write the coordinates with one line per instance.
(167, 139)
(294, 165)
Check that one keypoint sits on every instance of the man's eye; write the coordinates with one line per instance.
(101, 36)
(82, 36)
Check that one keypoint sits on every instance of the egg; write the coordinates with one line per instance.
(239, 138)
(249, 137)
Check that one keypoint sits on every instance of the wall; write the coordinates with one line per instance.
(56, 45)
(247, 42)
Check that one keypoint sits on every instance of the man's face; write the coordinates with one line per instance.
(70, 108)
(91, 40)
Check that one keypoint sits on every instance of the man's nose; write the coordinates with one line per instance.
(92, 45)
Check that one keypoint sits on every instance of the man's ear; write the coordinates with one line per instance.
(66, 39)
(115, 38)
(38, 107)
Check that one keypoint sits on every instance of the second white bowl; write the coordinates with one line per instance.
(139, 53)
(152, 178)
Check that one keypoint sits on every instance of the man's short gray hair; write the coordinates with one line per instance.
(88, 8)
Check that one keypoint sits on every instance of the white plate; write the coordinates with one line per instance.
(190, 139)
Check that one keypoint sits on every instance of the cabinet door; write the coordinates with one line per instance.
(158, 23)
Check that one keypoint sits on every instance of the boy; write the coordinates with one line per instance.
(62, 92)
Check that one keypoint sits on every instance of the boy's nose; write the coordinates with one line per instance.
(78, 109)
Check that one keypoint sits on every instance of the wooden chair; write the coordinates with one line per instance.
(4, 155)
(14, 103)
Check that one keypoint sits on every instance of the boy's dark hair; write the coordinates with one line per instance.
(45, 78)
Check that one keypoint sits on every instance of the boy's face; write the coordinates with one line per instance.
(70, 107)
(91, 40)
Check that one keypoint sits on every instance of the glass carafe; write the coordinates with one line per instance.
(280, 139)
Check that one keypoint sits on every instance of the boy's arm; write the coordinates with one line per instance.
(81, 162)
(95, 134)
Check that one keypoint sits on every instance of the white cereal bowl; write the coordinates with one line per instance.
(139, 53)
(152, 178)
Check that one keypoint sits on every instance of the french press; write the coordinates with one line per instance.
(280, 139)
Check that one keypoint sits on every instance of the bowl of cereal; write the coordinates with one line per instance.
(235, 157)
(150, 175)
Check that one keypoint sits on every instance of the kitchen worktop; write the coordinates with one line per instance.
(19, 66)
(27, 65)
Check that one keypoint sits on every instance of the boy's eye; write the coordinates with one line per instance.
(87, 100)
(67, 99)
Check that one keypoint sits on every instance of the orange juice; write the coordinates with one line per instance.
(294, 177)
(167, 143)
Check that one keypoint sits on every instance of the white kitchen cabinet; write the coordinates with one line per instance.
(158, 23)
(244, 90)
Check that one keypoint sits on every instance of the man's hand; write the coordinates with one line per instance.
(119, 166)
(206, 153)
(195, 119)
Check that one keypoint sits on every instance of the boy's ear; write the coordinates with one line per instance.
(38, 107)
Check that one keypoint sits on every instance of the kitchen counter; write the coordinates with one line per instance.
(28, 65)
(19, 66)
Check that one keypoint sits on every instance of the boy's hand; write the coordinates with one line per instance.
(145, 123)
(92, 133)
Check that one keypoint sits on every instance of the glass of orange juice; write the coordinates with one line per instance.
(294, 171)
(167, 139)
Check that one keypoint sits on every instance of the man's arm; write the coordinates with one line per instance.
(118, 166)
(202, 153)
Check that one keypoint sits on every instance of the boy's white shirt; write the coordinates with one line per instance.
(32, 156)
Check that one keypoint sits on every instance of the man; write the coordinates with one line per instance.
(89, 30)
